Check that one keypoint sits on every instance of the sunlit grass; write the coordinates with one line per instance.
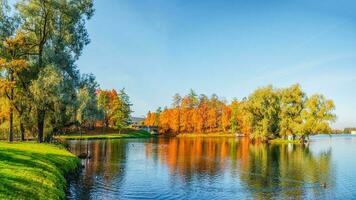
(135, 134)
(284, 141)
(34, 171)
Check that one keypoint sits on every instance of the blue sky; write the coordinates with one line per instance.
(157, 48)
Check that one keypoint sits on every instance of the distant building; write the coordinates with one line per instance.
(353, 132)
(137, 121)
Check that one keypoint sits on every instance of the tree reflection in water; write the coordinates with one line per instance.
(107, 163)
(187, 167)
(265, 170)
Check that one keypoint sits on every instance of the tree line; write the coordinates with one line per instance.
(267, 113)
(42, 91)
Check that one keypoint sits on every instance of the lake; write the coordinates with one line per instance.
(216, 168)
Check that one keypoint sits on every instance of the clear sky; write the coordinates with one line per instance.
(157, 48)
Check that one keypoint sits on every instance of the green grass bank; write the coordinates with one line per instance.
(133, 134)
(284, 141)
(34, 171)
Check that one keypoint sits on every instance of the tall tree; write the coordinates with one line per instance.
(116, 108)
(56, 30)
(292, 101)
(234, 125)
(88, 111)
(45, 91)
(122, 106)
(11, 65)
(263, 108)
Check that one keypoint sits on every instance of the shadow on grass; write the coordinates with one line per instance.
(27, 174)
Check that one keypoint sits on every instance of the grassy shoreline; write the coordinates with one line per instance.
(224, 134)
(30, 170)
(284, 141)
(134, 134)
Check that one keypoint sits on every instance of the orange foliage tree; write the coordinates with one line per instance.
(198, 114)
(11, 65)
(115, 108)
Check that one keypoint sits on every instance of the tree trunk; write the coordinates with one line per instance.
(11, 128)
(22, 129)
(40, 124)
(302, 139)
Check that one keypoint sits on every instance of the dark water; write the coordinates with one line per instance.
(216, 168)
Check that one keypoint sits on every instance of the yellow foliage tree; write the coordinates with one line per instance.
(13, 62)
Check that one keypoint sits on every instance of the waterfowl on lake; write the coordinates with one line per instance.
(84, 155)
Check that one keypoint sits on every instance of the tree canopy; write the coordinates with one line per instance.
(266, 114)
(42, 90)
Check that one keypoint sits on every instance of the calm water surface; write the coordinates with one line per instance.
(216, 168)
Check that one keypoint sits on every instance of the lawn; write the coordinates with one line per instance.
(34, 171)
(134, 134)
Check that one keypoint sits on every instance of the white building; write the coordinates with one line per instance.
(353, 132)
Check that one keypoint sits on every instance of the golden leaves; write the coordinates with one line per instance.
(15, 65)
(6, 85)
(18, 64)
(15, 43)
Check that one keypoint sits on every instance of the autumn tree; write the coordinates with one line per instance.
(226, 118)
(150, 119)
(176, 113)
(104, 106)
(266, 114)
(11, 65)
(164, 121)
(116, 108)
(243, 117)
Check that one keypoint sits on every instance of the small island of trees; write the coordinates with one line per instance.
(268, 113)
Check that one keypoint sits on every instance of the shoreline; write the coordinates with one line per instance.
(31, 170)
(134, 134)
(231, 135)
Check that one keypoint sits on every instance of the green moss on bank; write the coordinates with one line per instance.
(34, 171)
(284, 141)
(135, 134)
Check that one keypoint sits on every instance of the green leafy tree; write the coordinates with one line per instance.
(124, 111)
(292, 100)
(45, 91)
(56, 33)
(317, 116)
(104, 107)
(263, 107)
(88, 111)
